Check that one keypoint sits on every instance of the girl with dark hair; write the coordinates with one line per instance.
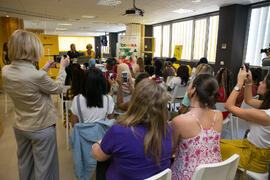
(181, 79)
(140, 143)
(254, 151)
(158, 67)
(168, 70)
(94, 101)
(196, 134)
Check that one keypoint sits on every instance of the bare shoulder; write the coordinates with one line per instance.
(181, 120)
(219, 120)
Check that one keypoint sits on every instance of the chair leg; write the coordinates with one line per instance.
(231, 122)
(236, 127)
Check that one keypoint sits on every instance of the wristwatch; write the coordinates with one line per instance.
(236, 88)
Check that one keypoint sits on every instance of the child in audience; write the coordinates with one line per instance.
(202, 68)
(255, 150)
(168, 70)
(140, 143)
(181, 79)
(196, 134)
(94, 101)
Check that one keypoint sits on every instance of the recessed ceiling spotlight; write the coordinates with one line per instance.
(7, 15)
(61, 29)
(64, 24)
(196, 1)
(88, 17)
(100, 30)
(183, 11)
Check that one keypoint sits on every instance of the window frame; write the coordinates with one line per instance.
(194, 18)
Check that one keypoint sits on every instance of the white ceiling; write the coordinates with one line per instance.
(48, 14)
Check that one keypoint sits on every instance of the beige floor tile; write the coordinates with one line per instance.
(8, 146)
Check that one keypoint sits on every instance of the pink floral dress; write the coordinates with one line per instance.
(192, 152)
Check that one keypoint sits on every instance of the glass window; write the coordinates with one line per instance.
(258, 36)
(182, 35)
(199, 39)
(212, 38)
(166, 41)
(157, 36)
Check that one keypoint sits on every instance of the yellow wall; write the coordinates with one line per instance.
(51, 47)
(79, 41)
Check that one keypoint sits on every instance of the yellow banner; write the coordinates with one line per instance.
(178, 52)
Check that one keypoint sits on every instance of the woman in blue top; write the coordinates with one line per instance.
(140, 143)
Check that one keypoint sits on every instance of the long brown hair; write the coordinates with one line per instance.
(224, 78)
(266, 96)
(148, 107)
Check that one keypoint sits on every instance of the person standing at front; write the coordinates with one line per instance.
(30, 91)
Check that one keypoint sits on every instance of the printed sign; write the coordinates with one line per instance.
(178, 52)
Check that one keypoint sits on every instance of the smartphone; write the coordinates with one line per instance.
(247, 66)
(57, 58)
(111, 75)
(125, 77)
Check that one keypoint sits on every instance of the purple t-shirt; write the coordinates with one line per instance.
(127, 150)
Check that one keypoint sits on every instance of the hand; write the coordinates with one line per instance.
(242, 75)
(120, 81)
(64, 62)
(129, 85)
(249, 78)
(111, 81)
(49, 64)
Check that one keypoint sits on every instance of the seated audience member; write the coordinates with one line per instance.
(148, 61)
(77, 84)
(181, 79)
(224, 79)
(202, 68)
(140, 143)
(92, 63)
(150, 70)
(158, 65)
(5, 58)
(256, 79)
(124, 105)
(196, 134)
(168, 70)
(201, 61)
(139, 67)
(126, 92)
(254, 151)
(94, 102)
(89, 51)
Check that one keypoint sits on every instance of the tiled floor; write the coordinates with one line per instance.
(8, 147)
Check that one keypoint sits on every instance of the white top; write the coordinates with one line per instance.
(94, 113)
(176, 81)
(260, 135)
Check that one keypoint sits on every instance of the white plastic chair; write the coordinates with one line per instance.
(230, 118)
(163, 175)
(178, 93)
(256, 176)
(224, 170)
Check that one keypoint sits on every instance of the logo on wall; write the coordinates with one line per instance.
(128, 49)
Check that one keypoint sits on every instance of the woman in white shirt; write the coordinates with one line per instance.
(94, 102)
(255, 150)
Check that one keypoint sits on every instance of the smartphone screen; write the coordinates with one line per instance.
(111, 75)
(125, 78)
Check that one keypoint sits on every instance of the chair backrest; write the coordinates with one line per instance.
(224, 170)
(179, 92)
(221, 106)
(163, 175)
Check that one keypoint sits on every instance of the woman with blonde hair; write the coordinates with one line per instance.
(36, 116)
(140, 143)
(89, 51)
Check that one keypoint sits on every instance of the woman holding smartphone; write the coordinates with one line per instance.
(254, 151)
(36, 116)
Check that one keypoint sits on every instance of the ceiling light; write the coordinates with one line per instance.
(108, 2)
(61, 29)
(88, 17)
(196, 1)
(100, 30)
(7, 15)
(64, 24)
(183, 11)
